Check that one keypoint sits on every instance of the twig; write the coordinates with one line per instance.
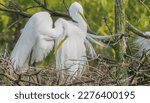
(15, 5)
(30, 82)
(45, 3)
(53, 12)
(143, 58)
(106, 22)
(15, 11)
(65, 4)
(76, 83)
(11, 79)
(32, 7)
(144, 5)
(3, 5)
(136, 31)
(12, 24)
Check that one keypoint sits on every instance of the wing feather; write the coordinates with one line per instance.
(35, 37)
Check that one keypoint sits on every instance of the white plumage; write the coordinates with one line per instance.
(38, 36)
(71, 56)
(143, 43)
(77, 14)
(35, 38)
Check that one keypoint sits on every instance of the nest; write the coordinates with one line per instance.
(99, 72)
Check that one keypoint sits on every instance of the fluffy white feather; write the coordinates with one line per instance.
(76, 13)
(72, 54)
(35, 38)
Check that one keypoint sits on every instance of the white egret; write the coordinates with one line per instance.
(143, 43)
(77, 14)
(35, 42)
(71, 56)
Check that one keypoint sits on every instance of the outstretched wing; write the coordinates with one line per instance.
(35, 37)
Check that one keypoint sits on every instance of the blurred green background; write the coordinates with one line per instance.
(95, 12)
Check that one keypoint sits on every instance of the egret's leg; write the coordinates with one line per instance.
(58, 77)
(37, 77)
(30, 58)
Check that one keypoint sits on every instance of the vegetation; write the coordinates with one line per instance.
(101, 17)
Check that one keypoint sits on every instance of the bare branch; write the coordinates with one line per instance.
(144, 5)
(65, 4)
(80, 83)
(3, 5)
(106, 22)
(52, 12)
(12, 24)
(143, 59)
(131, 28)
(24, 14)
(45, 3)
(15, 5)
(32, 7)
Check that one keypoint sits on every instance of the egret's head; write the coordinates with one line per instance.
(75, 11)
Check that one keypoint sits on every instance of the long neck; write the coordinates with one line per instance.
(82, 24)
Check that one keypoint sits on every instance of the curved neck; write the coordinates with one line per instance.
(81, 23)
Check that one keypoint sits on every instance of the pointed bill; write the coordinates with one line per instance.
(60, 44)
(88, 27)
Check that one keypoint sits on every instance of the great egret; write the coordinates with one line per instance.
(35, 42)
(77, 14)
(71, 56)
(143, 43)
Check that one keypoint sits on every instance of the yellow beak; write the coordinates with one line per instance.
(60, 44)
(62, 41)
(88, 27)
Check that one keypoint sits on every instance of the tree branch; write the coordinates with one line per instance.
(52, 12)
(144, 5)
(142, 61)
(131, 28)
(3, 5)
(65, 4)
(24, 14)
